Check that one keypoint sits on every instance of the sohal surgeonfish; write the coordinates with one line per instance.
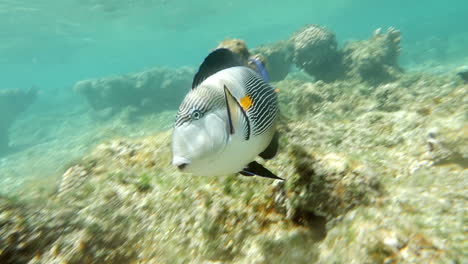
(226, 120)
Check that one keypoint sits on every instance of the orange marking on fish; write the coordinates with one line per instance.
(246, 102)
(276, 90)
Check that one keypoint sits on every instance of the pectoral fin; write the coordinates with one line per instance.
(254, 168)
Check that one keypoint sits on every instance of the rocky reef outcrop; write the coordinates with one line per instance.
(148, 91)
(316, 52)
(12, 103)
(374, 174)
(374, 60)
(314, 49)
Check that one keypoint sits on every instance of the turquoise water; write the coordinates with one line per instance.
(373, 149)
(52, 45)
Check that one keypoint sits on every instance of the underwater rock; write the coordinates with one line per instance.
(416, 223)
(12, 103)
(374, 60)
(324, 185)
(315, 51)
(277, 58)
(148, 91)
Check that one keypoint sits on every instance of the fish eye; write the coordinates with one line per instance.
(196, 114)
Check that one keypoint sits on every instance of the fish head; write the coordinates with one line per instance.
(200, 133)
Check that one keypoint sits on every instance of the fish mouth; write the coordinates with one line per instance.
(182, 166)
(180, 162)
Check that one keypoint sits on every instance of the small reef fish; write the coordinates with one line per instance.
(226, 120)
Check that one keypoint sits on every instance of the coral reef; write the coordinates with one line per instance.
(148, 91)
(374, 60)
(374, 161)
(315, 51)
(12, 103)
(374, 174)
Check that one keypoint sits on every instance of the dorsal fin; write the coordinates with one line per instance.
(216, 61)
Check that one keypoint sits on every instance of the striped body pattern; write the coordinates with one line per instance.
(198, 101)
(257, 98)
(265, 109)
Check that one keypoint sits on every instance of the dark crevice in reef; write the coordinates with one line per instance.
(303, 165)
(314, 222)
(322, 189)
